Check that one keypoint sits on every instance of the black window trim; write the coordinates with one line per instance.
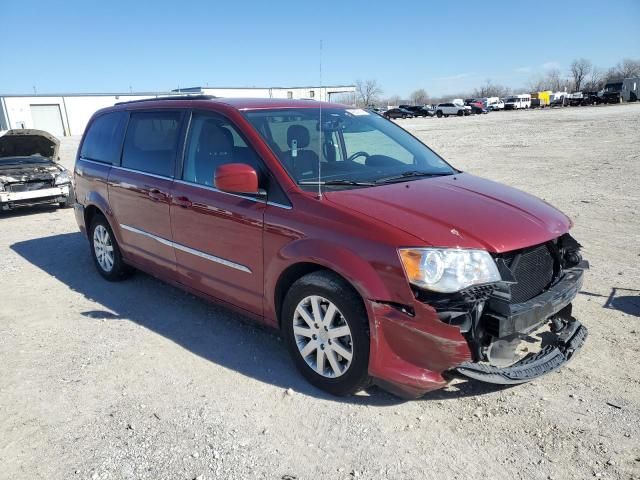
(266, 171)
(118, 160)
(179, 145)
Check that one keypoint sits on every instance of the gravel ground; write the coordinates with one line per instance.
(141, 380)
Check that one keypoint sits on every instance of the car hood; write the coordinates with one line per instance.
(28, 142)
(460, 210)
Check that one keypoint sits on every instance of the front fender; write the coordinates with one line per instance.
(343, 261)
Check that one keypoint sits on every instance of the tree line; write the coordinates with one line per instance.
(582, 75)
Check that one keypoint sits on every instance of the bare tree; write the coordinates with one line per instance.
(367, 92)
(595, 80)
(580, 68)
(394, 100)
(628, 68)
(420, 97)
(490, 89)
(554, 81)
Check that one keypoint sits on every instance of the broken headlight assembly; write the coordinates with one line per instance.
(62, 179)
(448, 270)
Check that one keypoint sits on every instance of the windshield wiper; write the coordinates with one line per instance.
(410, 174)
(341, 181)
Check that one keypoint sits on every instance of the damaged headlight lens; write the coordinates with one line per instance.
(448, 270)
(62, 179)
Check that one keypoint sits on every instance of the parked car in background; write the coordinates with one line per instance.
(446, 109)
(378, 110)
(558, 99)
(612, 92)
(403, 272)
(398, 113)
(493, 104)
(518, 102)
(418, 110)
(29, 170)
(477, 106)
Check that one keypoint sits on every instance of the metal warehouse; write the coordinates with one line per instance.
(68, 114)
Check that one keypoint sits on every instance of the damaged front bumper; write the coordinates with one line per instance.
(475, 333)
(10, 200)
(550, 357)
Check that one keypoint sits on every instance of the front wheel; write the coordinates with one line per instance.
(460, 113)
(326, 329)
(439, 114)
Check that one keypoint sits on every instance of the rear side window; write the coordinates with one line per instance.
(103, 141)
(151, 142)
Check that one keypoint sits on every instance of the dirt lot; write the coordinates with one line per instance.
(140, 380)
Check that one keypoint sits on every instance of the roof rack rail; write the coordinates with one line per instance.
(172, 97)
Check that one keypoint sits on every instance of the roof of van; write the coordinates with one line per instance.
(238, 103)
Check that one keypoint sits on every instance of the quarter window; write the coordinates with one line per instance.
(103, 141)
(151, 142)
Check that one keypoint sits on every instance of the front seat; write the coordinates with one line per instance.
(215, 148)
(302, 163)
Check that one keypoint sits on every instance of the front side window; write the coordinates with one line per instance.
(151, 142)
(349, 146)
(103, 141)
(213, 141)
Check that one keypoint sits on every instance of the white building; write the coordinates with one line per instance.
(68, 114)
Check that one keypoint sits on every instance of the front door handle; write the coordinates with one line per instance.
(183, 202)
(157, 195)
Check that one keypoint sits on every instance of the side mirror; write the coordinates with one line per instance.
(237, 178)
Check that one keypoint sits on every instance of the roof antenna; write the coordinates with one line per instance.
(320, 128)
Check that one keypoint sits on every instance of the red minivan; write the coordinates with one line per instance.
(377, 260)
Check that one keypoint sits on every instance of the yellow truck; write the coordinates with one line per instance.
(541, 99)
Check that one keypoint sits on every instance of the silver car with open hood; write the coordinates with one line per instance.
(29, 171)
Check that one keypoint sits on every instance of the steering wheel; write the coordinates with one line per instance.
(358, 154)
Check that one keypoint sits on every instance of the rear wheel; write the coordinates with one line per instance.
(106, 252)
(439, 114)
(326, 329)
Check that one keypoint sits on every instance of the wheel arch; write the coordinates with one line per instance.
(295, 272)
(307, 255)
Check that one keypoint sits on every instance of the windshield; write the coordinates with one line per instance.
(354, 146)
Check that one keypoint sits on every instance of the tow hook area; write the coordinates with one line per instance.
(570, 335)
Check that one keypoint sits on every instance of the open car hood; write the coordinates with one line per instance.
(28, 142)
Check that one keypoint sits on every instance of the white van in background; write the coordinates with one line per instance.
(517, 102)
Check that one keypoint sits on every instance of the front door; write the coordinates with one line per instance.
(217, 236)
(140, 189)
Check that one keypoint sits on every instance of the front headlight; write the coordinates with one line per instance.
(62, 178)
(448, 270)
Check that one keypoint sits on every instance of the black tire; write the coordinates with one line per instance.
(335, 289)
(460, 113)
(439, 114)
(71, 199)
(404, 116)
(119, 270)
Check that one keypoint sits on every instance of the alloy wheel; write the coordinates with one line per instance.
(323, 336)
(103, 248)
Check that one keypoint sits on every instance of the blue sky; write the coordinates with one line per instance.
(444, 47)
